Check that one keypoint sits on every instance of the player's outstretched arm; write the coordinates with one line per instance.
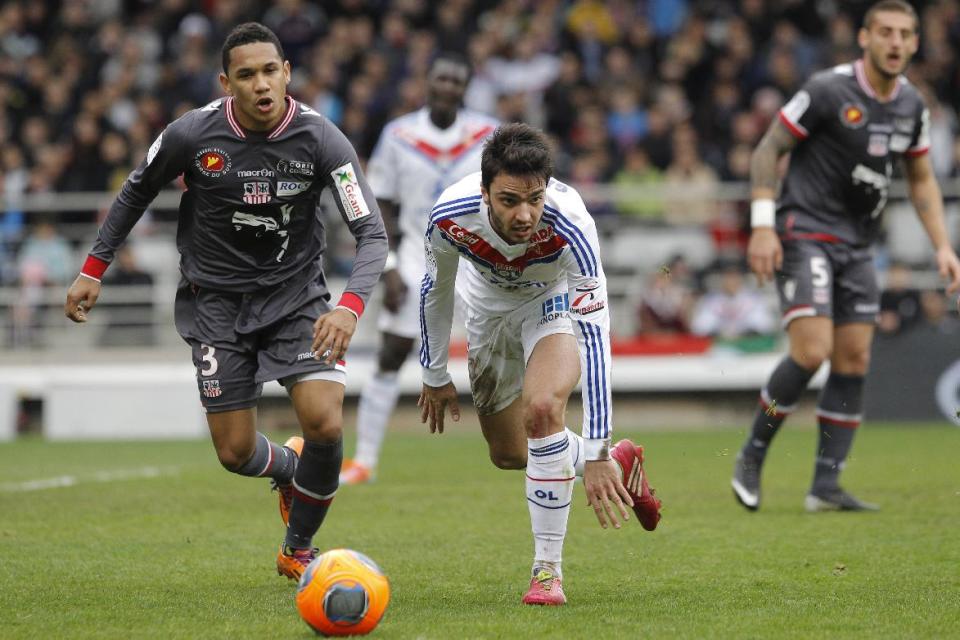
(81, 297)
(928, 201)
(764, 252)
(433, 403)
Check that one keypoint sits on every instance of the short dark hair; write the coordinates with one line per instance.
(900, 6)
(453, 57)
(516, 149)
(248, 33)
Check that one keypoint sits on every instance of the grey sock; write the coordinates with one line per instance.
(314, 485)
(270, 460)
(783, 390)
(838, 416)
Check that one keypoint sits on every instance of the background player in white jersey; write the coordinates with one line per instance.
(418, 156)
(535, 302)
(845, 128)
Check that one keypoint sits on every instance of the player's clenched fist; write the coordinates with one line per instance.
(764, 253)
(332, 333)
(81, 296)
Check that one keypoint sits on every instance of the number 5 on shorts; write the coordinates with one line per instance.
(821, 275)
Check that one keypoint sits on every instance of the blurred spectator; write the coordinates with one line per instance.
(129, 323)
(937, 312)
(637, 172)
(45, 256)
(899, 301)
(667, 300)
(692, 179)
(44, 260)
(734, 309)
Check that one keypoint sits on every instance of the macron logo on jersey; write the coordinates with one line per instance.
(345, 179)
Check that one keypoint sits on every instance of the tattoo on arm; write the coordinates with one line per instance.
(777, 142)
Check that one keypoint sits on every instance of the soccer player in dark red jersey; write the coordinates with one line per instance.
(252, 302)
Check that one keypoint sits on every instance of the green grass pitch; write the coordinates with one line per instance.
(190, 553)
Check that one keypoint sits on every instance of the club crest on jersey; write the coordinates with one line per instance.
(878, 145)
(211, 389)
(213, 162)
(853, 115)
(256, 192)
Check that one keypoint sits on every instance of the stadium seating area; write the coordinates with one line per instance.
(645, 99)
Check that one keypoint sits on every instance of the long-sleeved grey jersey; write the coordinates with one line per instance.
(248, 219)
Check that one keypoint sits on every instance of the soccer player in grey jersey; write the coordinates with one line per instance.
(253, 303)
(844, 130)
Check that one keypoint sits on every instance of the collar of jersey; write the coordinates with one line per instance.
(276, 131)
(861, 74)
(441, 138)
(509, 251)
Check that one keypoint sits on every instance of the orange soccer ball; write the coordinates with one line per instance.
(343, 593)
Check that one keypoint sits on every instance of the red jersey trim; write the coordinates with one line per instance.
(798, 131)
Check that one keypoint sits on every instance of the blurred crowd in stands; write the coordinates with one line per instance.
(633, 93)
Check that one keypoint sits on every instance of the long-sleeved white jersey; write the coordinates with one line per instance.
(499, 277)
(413, 162)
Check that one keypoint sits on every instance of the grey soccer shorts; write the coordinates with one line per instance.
(830, 280)
(232, 366)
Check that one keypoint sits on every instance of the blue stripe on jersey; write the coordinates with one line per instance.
(459, 201)
(575, 248)
(550, 449)
(605, 422)
(577, 240)
(425, 287)
(589, 386)
(598, 363)
(455, 213)
(562, 506)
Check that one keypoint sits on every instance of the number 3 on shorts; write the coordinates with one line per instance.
(818, 267)
(210, 364)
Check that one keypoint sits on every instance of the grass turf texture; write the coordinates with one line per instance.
(191, 555)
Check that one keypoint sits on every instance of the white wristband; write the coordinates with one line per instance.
(763, 213)
(596, 448)
(391, 262)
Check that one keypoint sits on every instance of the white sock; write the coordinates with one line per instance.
(549, 491)
(377, 401)
(576, 452)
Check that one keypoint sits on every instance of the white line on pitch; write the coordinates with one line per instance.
(60, 482)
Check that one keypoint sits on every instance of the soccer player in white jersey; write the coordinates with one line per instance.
(535, 302)
(418, 156)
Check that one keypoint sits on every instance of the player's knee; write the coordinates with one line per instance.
(811, 355)
(233, 457)
(542, 414)
(324, 427)
(854, 363)
(509, 459)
